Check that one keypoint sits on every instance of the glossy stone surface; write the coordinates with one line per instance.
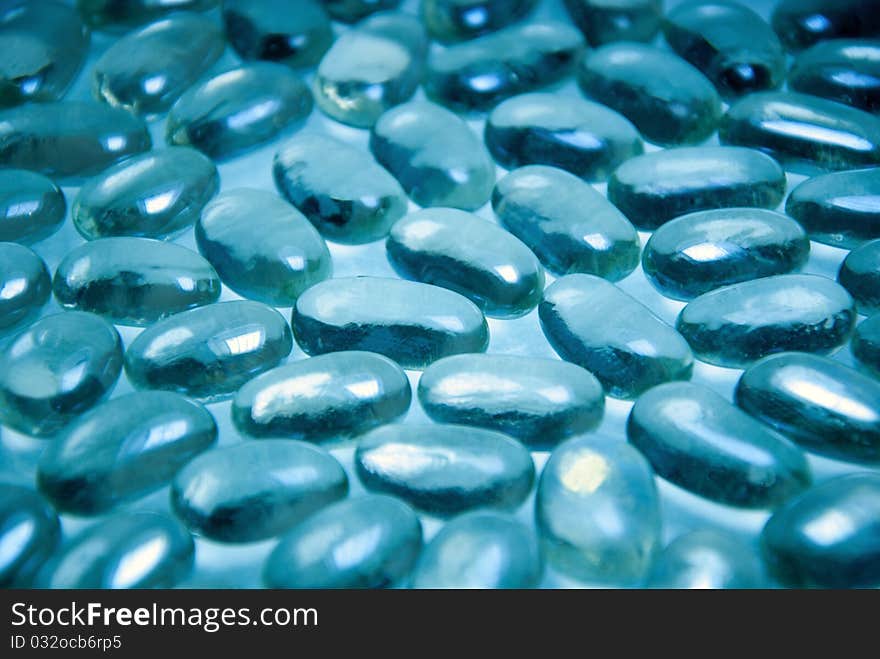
(122, 15)
(274, 264)
(123, 450)
(349, 11)
(829, 537)
(32, 207)
(329, 396)
(445, 469)
(866, 345)
(25, 286)
(697, 440)
(148, 69)
(568, 225)
(294, 33)
(707, 559)
(29, 533)
(860, 275)
(412, 323)
(155, 195)
(434, 155)
(668, 100)
(69, 139)
(457, 20)
(801, 23)
(368, 542)
(654, 188)
(208, 352)
(480, 550)
(587, 482)
(735, 325)
(255, 490)
(56, 369)
(478, 74)
(594, 324)
(584, 138)
(729, 42)
(702, 251)
(404, 28)
(239, 109)
(602, 21)
(537, 401)
(844, 70)
(341, 190)
(134, 281)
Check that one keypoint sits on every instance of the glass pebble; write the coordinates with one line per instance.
(801, 23)
(602, 21)
(123, 15)
(844, 70)
(29, 533)
(860, 275)
(707, 559)
(458, 20)
(350, 11)
(866, 345)
(25, 286)
(32, 207)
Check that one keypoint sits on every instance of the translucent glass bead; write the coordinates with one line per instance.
(29, 533)
(866, 345)
(620, 20)
(844, 70)
(707, 559)
(32, 207)
(25, 286)
(349, 11)
(801, 23)
(457, 20)
(122, 15)
(860, 275)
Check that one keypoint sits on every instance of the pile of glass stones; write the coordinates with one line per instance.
(449, 293)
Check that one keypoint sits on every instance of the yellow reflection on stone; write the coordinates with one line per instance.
(583, 472)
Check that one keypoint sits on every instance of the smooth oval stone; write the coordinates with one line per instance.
(801, 23)
(32, 207)
(697, 440)
(255, 490)
(844, 70)
(478, 74)
(655, 187)
(445, 469)
(667, 99)
(702, 251)
(412, 323)
(537, 401)
(707, 559)
(866, 345)
(469, 255)
(457, 20)
(336, 395)
(122, 450)
(129, 550)
(148, 69)
(584, 138)
(860, 275)
(729, 42)
(403, 28)
(274, 264)
(434, 155)
(156, 195)
(368, 542)
(56, 369)
(829, 537)
(121, 15)
(594, 324)
(239, 109)
(588, 481)
(134, 281)
(69, 139)
(481, 549)
(567, 224)
(25, 286)
(350, 11)
(209, 352)
(734, 325)
(349, 197)
(29, 533)
(603, 21)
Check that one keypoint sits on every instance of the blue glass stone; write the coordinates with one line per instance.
(434, 155)
(801, 23)
(735, 325)
(445, 469)
(256, 490)
(403, 28)
(350, 11)
(148, 69)
(329, 396)
(654, 188)
(239, 109)
(702, 251)
(467, 254)
(412, 323)
(844, 70)
(32, 207)
(537, 401)
(829, 537)
(122, 15)
(707, 559)
(602, 21)
(134, 281)
(860, 275)
(349, 197)
(156, 195)
(668, 100)
(56, 369)
(594, 324)
(123, 450)
(368, 542)
(866, 345)
(209, 352)
(584, 138)
(272, 265)
(29, 533)
(697, 440)
(25, 286)
(587, 482)
(457, 20)
(568, 225)
(129, 550)
(69, 139)
(481, 549)
(478, 74)
(729, 42)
